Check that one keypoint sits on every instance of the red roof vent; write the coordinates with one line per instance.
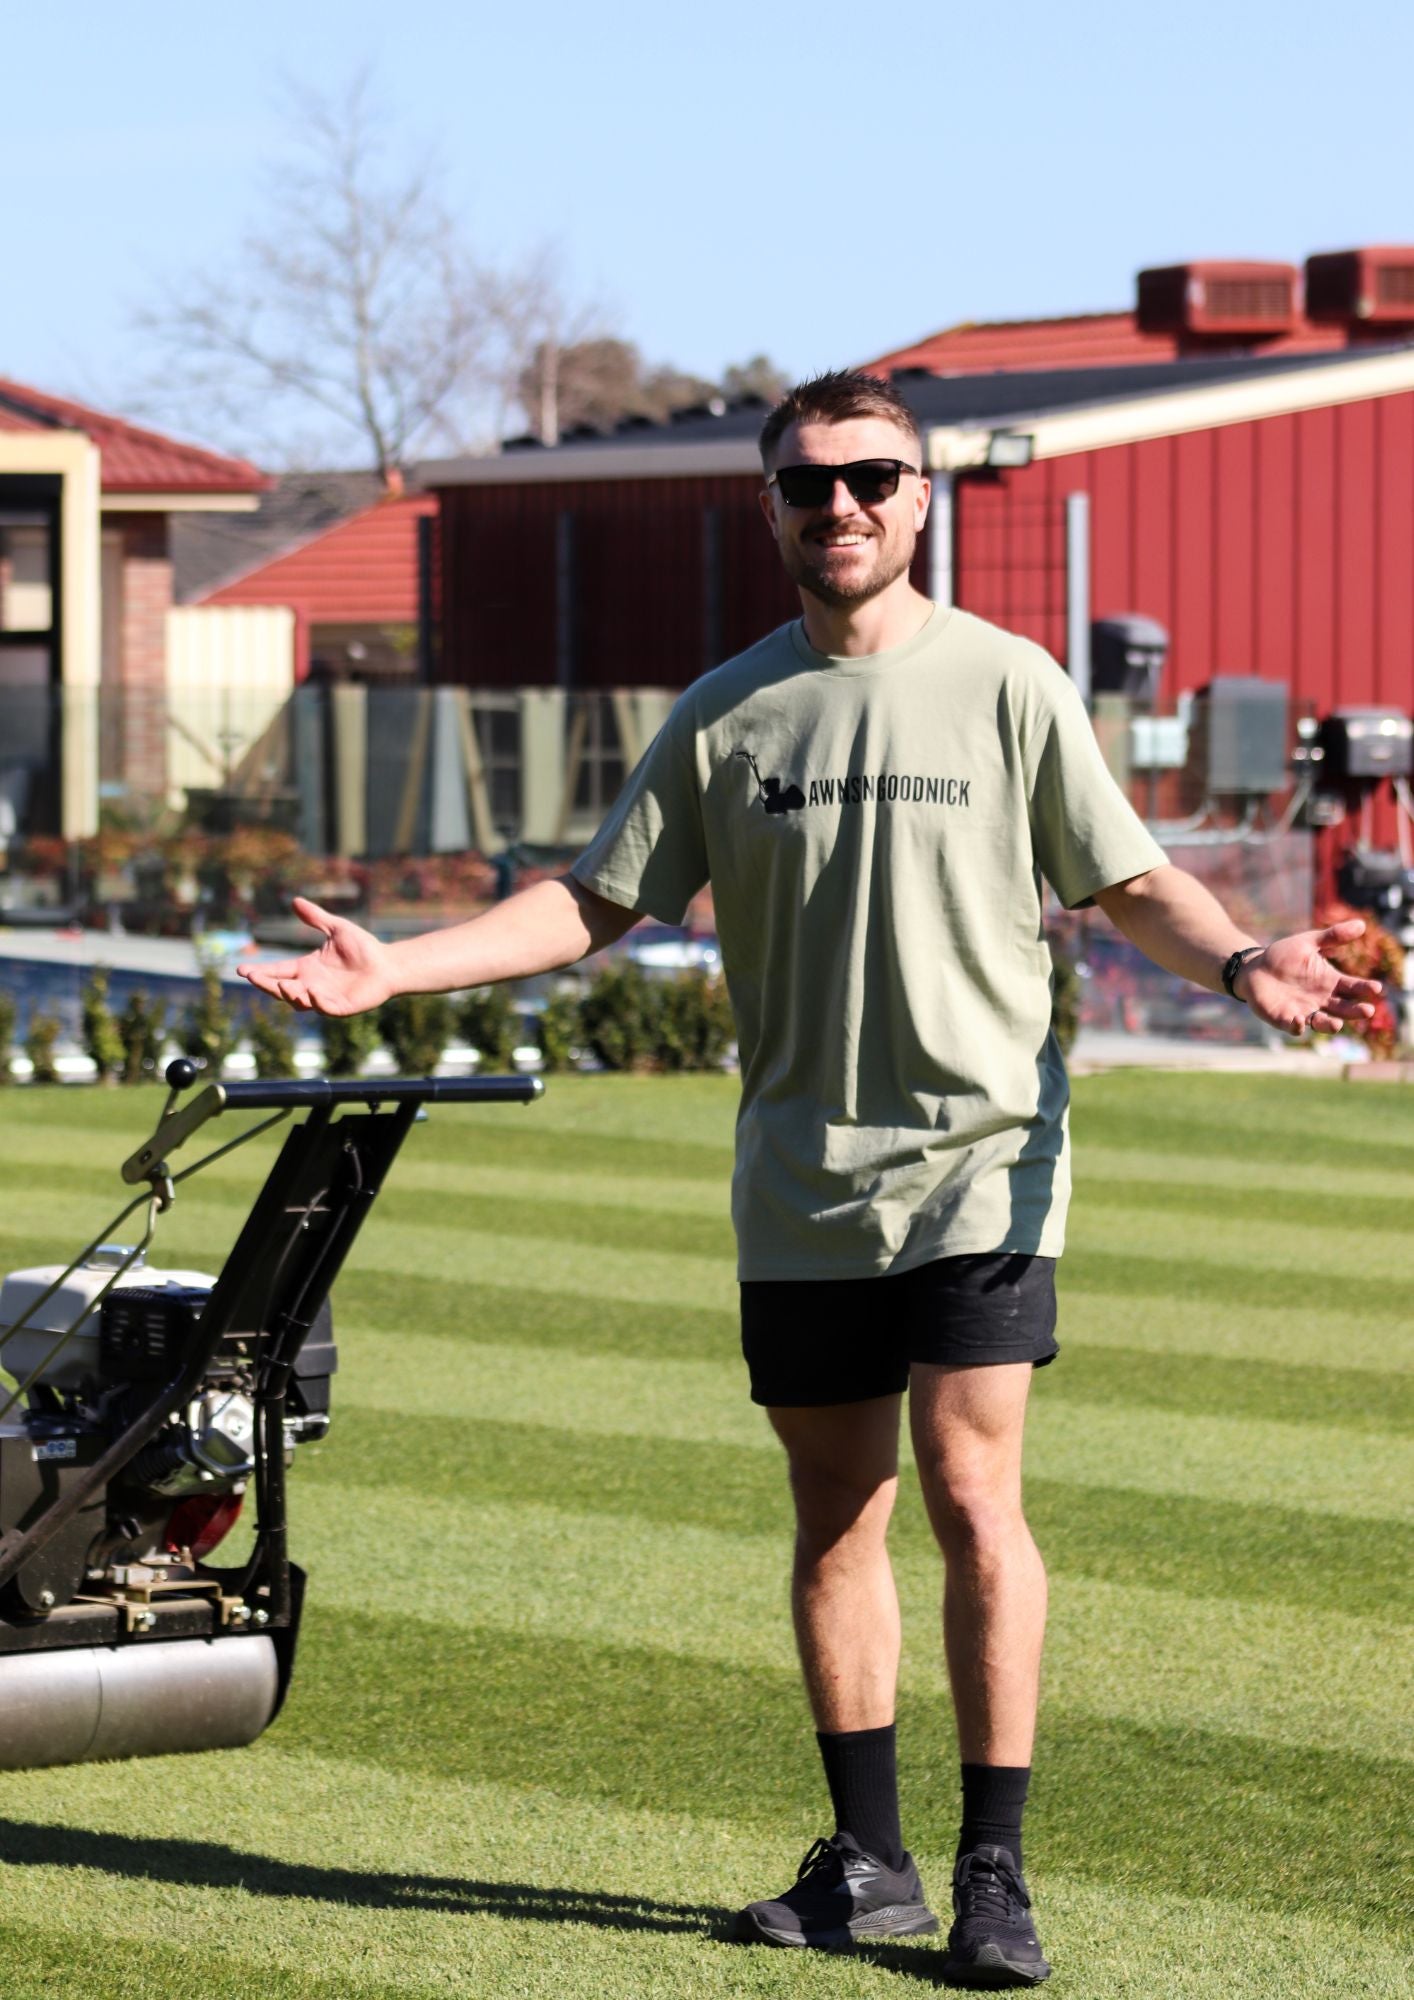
(1374, 286)
(1212, 300)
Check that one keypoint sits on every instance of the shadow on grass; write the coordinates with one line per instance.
(204, 1864)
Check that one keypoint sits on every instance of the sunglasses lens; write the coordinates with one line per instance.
(806, 485)
(868, 479)
(872, 479)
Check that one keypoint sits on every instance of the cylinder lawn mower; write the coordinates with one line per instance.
(145, 1404)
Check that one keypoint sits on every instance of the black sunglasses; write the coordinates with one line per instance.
(868, 479)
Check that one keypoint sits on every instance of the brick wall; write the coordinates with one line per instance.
(140, 683)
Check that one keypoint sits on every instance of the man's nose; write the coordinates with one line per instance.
(841, 502)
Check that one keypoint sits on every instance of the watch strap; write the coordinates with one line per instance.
(1234, 966)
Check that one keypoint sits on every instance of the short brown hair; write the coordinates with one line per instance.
(834, 397)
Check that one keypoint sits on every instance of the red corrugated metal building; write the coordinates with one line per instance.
(354, 585)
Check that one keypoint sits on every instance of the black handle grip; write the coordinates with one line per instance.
(279, 1095)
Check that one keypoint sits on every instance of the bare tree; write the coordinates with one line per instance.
(355, 319)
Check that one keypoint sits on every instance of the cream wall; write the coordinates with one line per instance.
(230, 673)
(75, 459)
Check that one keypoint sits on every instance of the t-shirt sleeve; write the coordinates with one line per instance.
(1085, 833)
(651, 854)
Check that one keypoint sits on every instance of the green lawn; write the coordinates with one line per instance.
(546, 1730)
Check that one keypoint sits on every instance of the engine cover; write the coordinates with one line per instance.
(77, 1364)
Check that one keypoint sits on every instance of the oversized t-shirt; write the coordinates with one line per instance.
(876, 831)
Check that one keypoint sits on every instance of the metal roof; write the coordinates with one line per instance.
(702, 443)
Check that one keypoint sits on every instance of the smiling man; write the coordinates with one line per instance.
(877, 793)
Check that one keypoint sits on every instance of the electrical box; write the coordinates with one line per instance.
(1127, 654)
(1239, 735)
(1363, 745)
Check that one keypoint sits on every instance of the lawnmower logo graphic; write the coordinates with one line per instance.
(769, 790)
(148, 1403)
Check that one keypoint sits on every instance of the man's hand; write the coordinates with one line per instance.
(1180, 925)
(1292, 986)
(349, 973)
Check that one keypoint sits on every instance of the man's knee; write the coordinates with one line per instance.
(836, 1505)
(975, 1509)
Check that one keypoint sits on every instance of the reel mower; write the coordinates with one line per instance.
(148, 1405)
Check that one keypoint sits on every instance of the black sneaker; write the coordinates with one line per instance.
(840, 1895)
(993, 1941)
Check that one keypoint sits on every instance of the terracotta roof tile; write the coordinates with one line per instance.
(1081, 340)
(134, 460)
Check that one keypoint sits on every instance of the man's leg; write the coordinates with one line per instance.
(844, 1475)
(967, 1425)
(967, 1428)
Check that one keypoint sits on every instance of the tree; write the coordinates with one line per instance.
(757, 377)
(355, 322)
(600, 380)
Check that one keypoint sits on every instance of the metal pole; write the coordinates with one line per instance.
(564, 599)
(940, 539)
(426, 623)
(1077, 591)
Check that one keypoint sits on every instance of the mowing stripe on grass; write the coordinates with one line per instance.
(1120, 1800)
(1203, 1385)
(1300, 1467)
(1294, 1675)
(1201, 1548)
(578, 1897)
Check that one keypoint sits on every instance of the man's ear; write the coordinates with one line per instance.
(768, 508)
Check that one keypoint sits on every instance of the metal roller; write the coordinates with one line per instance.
(146, 1700)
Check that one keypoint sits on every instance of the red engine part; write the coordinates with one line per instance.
(200, 1523)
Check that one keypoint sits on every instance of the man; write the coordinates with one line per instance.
(876, 792)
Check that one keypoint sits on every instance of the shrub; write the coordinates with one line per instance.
(208, 1025)
(619, 1016)
(102, 1037)
(488, 1020)
(416, 1028)
(272, 1042)
(41, 1039)
(1065, 998)
(557, 1030)
(695, 1023)
(142, 1029)
(1376, 955)
(7, 1035)
(349, 1040)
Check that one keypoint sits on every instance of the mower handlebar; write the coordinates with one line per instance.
(313, 1091)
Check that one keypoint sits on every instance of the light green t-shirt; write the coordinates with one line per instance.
(876, 831)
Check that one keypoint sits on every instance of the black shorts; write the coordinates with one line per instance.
(841, 1340)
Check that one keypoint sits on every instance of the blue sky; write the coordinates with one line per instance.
(819, 182)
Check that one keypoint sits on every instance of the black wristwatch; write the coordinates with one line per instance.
(1234, 966)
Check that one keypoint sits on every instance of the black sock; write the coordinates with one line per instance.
(992, 1798)
(862, 1773)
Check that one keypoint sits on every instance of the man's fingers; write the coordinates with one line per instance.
(1358, 989)
(261, 971)
(1341, 933)
(1349, 1010)
(317, 918)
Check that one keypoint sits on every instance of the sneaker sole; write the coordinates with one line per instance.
(895, 1920)
(993, 1972)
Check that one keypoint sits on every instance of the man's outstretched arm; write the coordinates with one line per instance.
(538, 930)
(1291, 985)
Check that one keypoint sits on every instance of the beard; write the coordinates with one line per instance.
(893, 559)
